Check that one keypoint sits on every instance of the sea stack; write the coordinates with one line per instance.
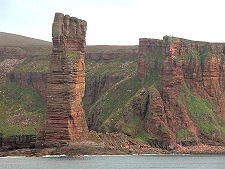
(65, 118)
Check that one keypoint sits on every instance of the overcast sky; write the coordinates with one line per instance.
(119, 22)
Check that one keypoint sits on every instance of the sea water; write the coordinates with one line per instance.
(116, 162)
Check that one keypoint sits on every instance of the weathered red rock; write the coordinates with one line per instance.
(65, 118)
(205, 76)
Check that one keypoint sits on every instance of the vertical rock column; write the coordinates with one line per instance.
(65, 118)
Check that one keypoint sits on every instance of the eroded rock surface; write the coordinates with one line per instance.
(187, 105)
(65, 118)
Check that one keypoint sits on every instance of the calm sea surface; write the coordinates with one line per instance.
(116, 162)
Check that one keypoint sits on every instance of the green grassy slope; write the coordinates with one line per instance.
(8, 39)
(35, 47)
(201, 112)
(21, 109)
(115, 48)
(103, 75)
(34, 64)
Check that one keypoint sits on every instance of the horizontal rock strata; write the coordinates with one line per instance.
(187, 104)
(65, 119)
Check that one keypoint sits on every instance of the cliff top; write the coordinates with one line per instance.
(9, 39)
(172, 39)
(69, 27)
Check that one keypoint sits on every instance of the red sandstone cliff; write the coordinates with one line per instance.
(187, 105)
(65, 118)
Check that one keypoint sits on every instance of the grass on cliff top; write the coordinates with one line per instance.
(9, 39)
(21, 111)
(115, 66)
(113, 48)
(34, 64)
(33, 46)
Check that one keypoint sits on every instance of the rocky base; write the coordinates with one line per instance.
(111, 144)
(200, 149)
(91, 149)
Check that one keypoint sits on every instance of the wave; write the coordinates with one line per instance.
(55, 156)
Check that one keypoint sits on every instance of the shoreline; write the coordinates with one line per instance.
(93, 151)
(86, 155)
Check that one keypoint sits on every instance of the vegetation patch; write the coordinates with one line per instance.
(126, 119)
(193, 56)
(73, 55)
(157, 57)
(153, 64)
(145, 137)
(120, 66)
(153, 78)
(183, 134)
(200, 110)
(21, 111)
(196, 56)
(34, 64)
(98, 72)
(165, 129)
(116, 97)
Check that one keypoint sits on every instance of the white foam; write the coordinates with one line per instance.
(163, 154)
(106, 155)
(54, 156)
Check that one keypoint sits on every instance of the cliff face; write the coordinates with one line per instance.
(187, 105)
(178, 96)
(18, 142)
(65, 118)
(109, 55)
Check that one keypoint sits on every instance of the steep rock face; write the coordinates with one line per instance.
(18, 141)
(65, 118)
(148, 110)
(149, 48)
(189, 79)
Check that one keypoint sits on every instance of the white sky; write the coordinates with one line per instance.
(119, 22)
